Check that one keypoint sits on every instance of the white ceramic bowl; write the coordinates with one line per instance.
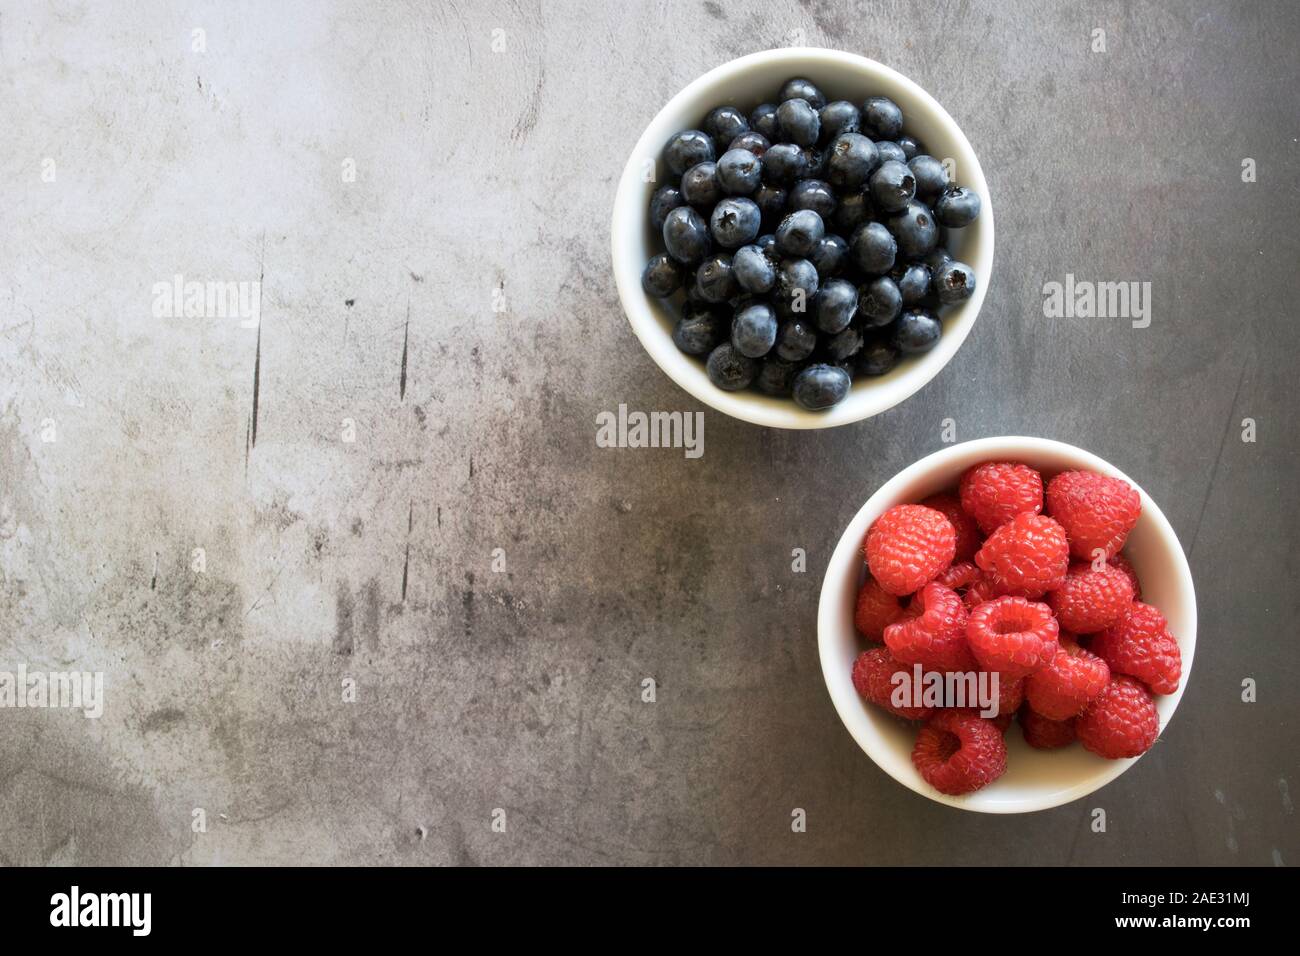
(745, 83)
(1035, 779)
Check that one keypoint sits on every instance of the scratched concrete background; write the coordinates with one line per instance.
(482, 173)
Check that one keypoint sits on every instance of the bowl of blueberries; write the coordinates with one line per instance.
(802, 238)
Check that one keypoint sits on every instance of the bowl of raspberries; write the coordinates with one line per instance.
(802, 238)
(1007, 625)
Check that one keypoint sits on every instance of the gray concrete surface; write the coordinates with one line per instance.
(482, 173)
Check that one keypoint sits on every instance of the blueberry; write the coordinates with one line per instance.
(698, 331)
(753, 141)
(931, 177)
(799, 233)
(844, 344)
(662, 277)
(888, 150)
(771, 201)
(880, 301)
(936, 257)
(735, 222)
(799, 88)
(915, 230)
(754, 271)
(910, 145)
(914, 332)
(728, 369)
(830, 256)
(957, 207)
(664, 201)
(851, 158)
(688, 148)
(783, 165)
(882, 118)
(837, 303)
(821, 386)
(953, 282)
(724, 124)
(913, 281)
(686, 236)
(753, 330)
(815, 195)
(700, 186)
(716, 280)
(892, 186)
(798, 121)
(852, 211)
(795, 340)
(796, 284)
(873, 248)
(763, 120)
(876, 358)
(739, 172)
(836, 118)
(767, 242)
(775, 376)
(814, 163)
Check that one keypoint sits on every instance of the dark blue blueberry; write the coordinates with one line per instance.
(776, 376)
(753, 141)
(767, 242)
(796, 284)
(798, 121)
(724, 124)
(795, 340)
(799, 233)
(728, 369)
(913, 281)
(814, 163)
(686, 235)
(873, 248)
(844, 344)
(931, 177)
(753, 330)
(664, 201)
(735, 222)
(957, 207)
(892, 187)
(882, 118)
(837, 303)
(815, 195)
(799, 88)
(662, 277)
(771, 201)
(880, 301)
(838, 117)
(699, 330)
(889, 150)
(700, 186)
(851, 158)
(915, 229)
(783, 165)
(716, 280)
(911, 146)
(954, 282)
(876, 358)
(852, 211)
(763, 120)
(936, 257)
(755, 272)
(830, 256)
(821, 386)
(739, 172)
(914, 332)
(688, 148)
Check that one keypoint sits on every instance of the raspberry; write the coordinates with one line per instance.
(968, 531)
(995, 492)
(1121, 562)
(960, 575)
(1044, 734)
(980, 590)
(936, 637)
(1069, 682)
(1012, 636)
(1096, 511)
(1089, 600)
(1121, 722)
(1011, 694)
(876, 610)
(873, 674)
(908, 546)
(1027, 556)
(958, 752)
(1141, 646)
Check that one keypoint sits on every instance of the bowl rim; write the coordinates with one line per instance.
(845, 559)
(862, 403)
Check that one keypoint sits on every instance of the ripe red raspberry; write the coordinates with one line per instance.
(1121, 562)
(1012, 636)
(908, 546)
(936, 637)
(1121, 722)
(1141, 646)
(1027, 556)
(876, 610)
(1096, 511)
(960, 575)
(1044, 734)
(980, 590)
(1069, 682)
(996, 491)
(958, 752)
(873, 674)
(1088, 601)
(1011, 694)
(968, 531)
